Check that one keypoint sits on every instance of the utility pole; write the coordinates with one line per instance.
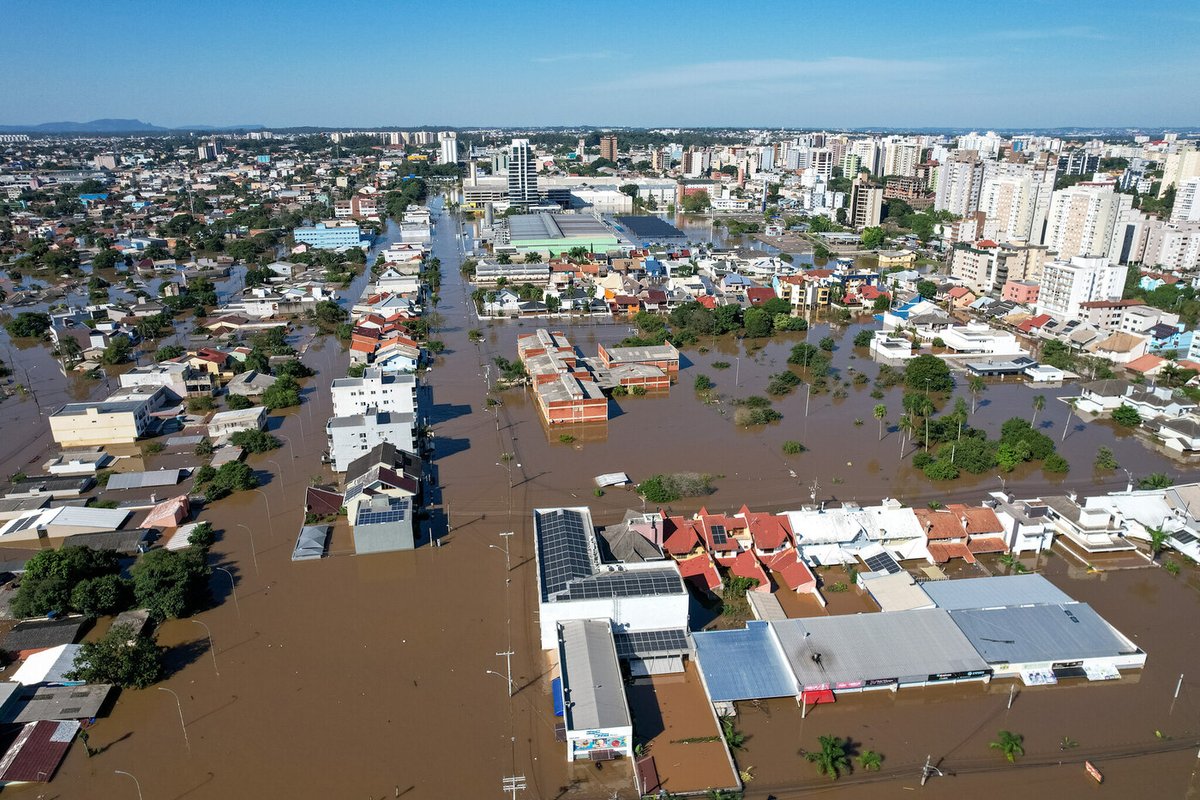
(513, 784)
(929, 769)
(508, 654)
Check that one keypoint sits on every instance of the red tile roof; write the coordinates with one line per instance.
(944, 551)
(767, 531)
(940, 524)
(701, 572)
(987, 544)
(795, 573)
(680, 536)
(747, 565)
(976, 519)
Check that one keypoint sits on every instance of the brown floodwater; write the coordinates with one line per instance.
(366, 677)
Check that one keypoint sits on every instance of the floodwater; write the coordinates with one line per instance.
(366, 677)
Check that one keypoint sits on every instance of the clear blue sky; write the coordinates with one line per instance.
(976, 63)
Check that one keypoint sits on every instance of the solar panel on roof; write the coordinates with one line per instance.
(719, 535)
(642, 644)
(882, 563)
(1183, 537)
(564, 549)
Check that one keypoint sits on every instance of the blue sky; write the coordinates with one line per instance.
(603, 62)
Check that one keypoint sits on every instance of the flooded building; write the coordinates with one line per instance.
(577, 582)
(353, 436)
(112, 421)
(595, 711)
(375, 391)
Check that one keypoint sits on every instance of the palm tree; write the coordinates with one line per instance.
(870, 760)
(1010, 744)
(1158, 540)
(905, 424)
(880, 414)
(1070, 410)
(831, 759)
(533, 257)
(977, 386)
(1039, 402)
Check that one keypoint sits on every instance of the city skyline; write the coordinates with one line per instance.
(1020, 66)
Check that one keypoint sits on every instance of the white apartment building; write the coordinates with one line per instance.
(900, 157)
(449, 148)
(1068, 284)
(376, 390)
(959, 182)
(1187, 201)
(354, 436)
(820, 164)
(1173, 246)
(986, 144)
(1016, 199)
(522, 174)
(1179, 166)
(1083, 219)
(868, 152)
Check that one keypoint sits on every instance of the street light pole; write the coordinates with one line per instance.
(182, 724)
(232, 588)
(737, 372)
(212, 650)
(267, 500)
(508, 654)
(253, 550)
(136, 782)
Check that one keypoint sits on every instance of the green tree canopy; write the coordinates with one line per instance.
(122, 658)
(172, 583)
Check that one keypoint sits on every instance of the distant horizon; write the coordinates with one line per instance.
(1036, 64)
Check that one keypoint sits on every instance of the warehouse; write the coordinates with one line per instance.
(595, 711)
(559, 233)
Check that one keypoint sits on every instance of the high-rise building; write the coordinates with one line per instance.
(959, 182)
(449, 148)
(1078, 162)
(1016, 199)
(868, 152)
(581, 148)
(987, 144)
(1083, 218)
(901, 156)
(820, 161)
(866, 204)
(1173, 246)
(660, 159)
(766, 159)
(522, 174)
(1066, 284)
(851, 163)
(1187, 201)
(608, 147)
(1178, 167)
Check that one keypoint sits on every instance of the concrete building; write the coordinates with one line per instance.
(959, 183)
(577, 579)
(1066, 285)
(596, 714)
(522, 174)
(351, 437)
(448, 148)
(1173, 246)
(558, 233)
(1178, 167)
(1016, 200)
(226, 423)
(901, 157)
(866, 204)
(374, 392)
(1083, 219)
(608, 147)
(1187, 201)
(111, 421)
(330, 235)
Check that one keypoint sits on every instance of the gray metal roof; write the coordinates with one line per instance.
(140, 480)
(743, 664)
(1000, 590)
(593, 692)
(904, 645)
(310, 543)
(59, 702)
(1027, 634)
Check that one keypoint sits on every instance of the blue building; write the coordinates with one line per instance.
(330, 235)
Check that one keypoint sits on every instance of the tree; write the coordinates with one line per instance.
(929, 373)
(233, 476)
(873, 238)
(293, 368)
(28, 325)
(977, 386)
(328, 312)
(870, 760)
(533, 257)
(827, 344)
(1156, 480)
(1127, 415)
(832, 758)
(880, 413)
(863, 338)
(172, 583)
(118, 351)
(1010, 745)
(1105, 459)
(703, 383)
(121, 657)
(283, 393)
(758, 323)
(51, 577)
(927, 289)
(695, 202)
(254, 441)
(96, 597)
(1158, 540)
(237, 402)
(1055, 463)
(106, 259)
(1039, 402)
(168, 352)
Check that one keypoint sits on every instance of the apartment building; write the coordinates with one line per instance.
(608, 147)
(375, 391)
(866, 204)
(959, 182)
(330, 235)
(1083, 219)
(1067, 285)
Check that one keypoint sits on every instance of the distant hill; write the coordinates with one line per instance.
(110, 126)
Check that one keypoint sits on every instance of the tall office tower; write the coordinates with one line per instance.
(866, 204)
(608, 147)
(660, 159)
(1083, 218)
(1016, 199)
(449, 148)
(959, 182)
(522, 174)
(581, 148)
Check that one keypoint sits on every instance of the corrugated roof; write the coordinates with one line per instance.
(593, 692)
(1025, 634)
(863, 647)
(996, 591)
(37, 751)
(743, 664)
